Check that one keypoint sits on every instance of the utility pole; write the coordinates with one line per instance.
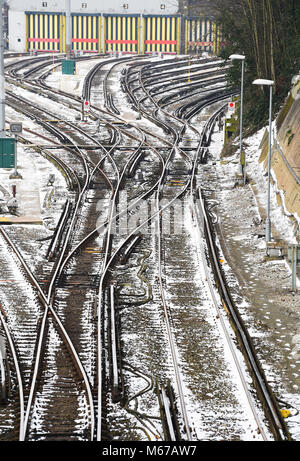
(102, 48)
(68, 29)
(7, 144)
(68, 65)
(141, 34)
(2, 78)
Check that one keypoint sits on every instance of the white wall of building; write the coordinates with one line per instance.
(17, 8)
(16, 31)
(98, 6)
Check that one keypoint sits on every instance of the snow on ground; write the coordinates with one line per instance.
(72, 83)
(36, 199)
(279, 219)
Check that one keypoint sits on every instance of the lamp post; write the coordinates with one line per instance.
(270, 83)
(241, 57)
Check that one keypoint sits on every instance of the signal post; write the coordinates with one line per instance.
(85, 110)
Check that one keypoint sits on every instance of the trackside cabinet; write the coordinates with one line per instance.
(68, 67)
(7, 152)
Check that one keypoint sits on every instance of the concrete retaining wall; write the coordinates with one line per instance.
(285, 160)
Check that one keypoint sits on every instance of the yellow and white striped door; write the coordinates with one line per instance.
(162, 34)
(43, 31)
(121, 33)
(85, 32)
(200, 34)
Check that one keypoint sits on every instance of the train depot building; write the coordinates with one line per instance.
(109, 26)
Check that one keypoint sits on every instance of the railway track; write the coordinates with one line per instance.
(174, 154)
(36, 381)
(268, 400)
(51, 285)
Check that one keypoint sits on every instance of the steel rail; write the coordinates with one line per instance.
(40, 342)
(168, 415)
(165, 307)
(99, 346)
(166, 315)
(195, 213)
(108, 265)
(18, 373)
(252, 359)
(248, 348)
(59, 230)
(99, 308)
(187, 425)
(49, 289)
(61, 267)
(199, 219)
(205, 130)
(95, 109)
(48, 307)
(67, 171)
(275, 415)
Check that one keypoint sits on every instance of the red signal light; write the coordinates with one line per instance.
(86, 106)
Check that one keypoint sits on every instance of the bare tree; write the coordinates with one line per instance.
(268, 33)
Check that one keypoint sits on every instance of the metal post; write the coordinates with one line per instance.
(68, 29)
(16, 161)
(2, 79)
(141, 34)
(268, 221)
(294, 267)
(242, 164)
(102, 35)
(242, 160)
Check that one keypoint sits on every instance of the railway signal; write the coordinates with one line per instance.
(86, 105)
(85, 109)
(231, 105)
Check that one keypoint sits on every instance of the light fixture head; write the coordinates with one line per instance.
(262, 81)
(237, 56)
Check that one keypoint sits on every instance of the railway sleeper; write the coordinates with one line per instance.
(97, 185)
(79, 280)
(66, 435)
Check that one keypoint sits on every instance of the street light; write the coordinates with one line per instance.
(241, 57)
(270, 83)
